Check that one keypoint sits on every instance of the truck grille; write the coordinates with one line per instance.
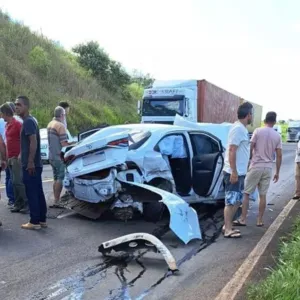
(159, 122)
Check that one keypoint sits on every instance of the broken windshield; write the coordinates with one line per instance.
(163, 107)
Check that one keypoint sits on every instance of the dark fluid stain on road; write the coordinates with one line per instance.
(74, 287)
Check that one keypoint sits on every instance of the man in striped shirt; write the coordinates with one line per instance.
(57, 139)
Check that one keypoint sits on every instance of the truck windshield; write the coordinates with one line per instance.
(163, 107)
(293, 129)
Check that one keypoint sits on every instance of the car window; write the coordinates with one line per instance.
(138, 138)
(203, 144)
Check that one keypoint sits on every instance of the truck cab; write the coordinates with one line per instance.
(293, 131)
(161, 103)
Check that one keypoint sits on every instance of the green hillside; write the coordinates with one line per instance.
(33, 65)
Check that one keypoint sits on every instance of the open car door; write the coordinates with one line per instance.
(207, 162)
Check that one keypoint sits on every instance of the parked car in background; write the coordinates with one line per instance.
(45, 146)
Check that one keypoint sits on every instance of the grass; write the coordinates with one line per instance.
(283, 281)
(39, 68)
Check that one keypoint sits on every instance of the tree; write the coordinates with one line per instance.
(141, 79)
(95, 59)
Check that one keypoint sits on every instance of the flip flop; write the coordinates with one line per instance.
(233, 229)
(56, 206)
(238, 223)
(233, 235)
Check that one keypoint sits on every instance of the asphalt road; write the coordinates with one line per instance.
(62, 262)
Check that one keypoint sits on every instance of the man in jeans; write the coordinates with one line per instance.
(57, 138)
(265, 141)
(32, 166)
(12, 136)
(235, 166)
(297, 173)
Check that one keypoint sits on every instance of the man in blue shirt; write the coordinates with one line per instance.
(32, 166)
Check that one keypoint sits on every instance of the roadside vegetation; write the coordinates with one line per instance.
(283, 281)
(98, 88)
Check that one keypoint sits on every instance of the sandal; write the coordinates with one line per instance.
(260, 225)
(233, 229)
(56, 206)
(238, 223)
(233, 235)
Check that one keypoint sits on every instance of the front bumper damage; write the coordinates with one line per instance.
(136, 241)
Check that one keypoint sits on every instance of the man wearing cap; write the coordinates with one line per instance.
(264, 142)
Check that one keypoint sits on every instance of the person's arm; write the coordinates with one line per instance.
(232, 158)
(63, 137)
(30, 129)
(235, 138)
(278, 160)
(32, 148)
(3, 149)
(297, 160)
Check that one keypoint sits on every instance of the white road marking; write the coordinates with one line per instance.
(2, 186)
(231, 289)
(70, 213)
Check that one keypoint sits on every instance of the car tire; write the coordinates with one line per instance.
(153, 211)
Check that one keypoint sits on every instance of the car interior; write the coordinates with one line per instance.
(174, 149)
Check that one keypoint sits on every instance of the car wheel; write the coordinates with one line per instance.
(153, 211)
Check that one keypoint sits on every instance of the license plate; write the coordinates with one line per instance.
(93, 158)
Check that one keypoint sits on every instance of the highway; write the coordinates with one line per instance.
(63, 262)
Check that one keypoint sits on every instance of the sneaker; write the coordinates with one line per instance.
(31, 226)
(43, 224)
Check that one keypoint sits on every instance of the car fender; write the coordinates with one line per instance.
(146, 193)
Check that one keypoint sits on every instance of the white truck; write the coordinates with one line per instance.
(195, 100)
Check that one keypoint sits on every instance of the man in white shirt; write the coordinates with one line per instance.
(235, 167)
(297, 173)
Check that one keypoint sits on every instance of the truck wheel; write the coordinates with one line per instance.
(153, 211)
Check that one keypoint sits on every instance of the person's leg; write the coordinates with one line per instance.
(58, 172)
(297, 185)
(9, 187)
(42, 199)
(251, 181)
(31, 183)
(232, 202)
(263, 190)
(18, 185)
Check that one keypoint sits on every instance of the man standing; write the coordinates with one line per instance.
(66, 107)
(265, 141)
(12, 136)
(235, 168)
(57, 139)
(3, 159)
(32, 166)
(297, 177)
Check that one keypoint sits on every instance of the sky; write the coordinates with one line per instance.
(250, 48)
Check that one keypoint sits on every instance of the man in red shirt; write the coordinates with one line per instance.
(13, 148)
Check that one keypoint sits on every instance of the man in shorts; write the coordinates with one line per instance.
(297, 173)
(235, 168)
(57, 139)
(265, 141)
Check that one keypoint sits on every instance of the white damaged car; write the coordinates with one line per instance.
(145, 168)
(184, 161)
